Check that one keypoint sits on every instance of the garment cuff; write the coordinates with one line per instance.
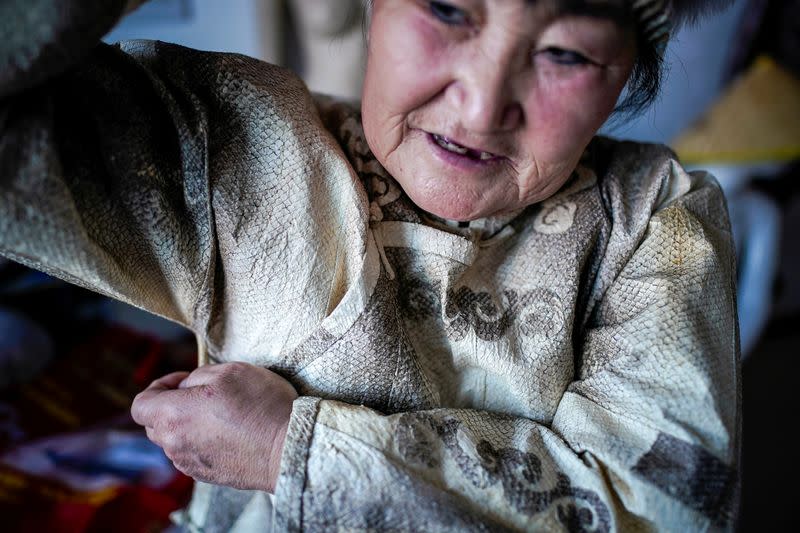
(292, 477)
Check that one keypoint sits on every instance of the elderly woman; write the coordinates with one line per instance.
(453, 309)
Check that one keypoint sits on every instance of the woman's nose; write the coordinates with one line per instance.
(482, 94)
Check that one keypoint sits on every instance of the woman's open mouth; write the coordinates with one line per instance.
(453, 147)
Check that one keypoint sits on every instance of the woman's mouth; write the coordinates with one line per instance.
(455, 148)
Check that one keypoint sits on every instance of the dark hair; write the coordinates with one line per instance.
(648, 72)
(644, 83)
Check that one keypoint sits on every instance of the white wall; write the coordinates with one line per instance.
(249, 27)
(697, 58)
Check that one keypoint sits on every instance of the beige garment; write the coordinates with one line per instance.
(574, 367)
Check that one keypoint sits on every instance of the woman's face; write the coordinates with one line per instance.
(482, 107)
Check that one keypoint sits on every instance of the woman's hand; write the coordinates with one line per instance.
(224, 424)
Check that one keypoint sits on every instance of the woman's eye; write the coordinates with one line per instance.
(448, 13)
(560, 56)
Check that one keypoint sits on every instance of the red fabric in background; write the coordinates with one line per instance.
(90, 384)
(43, 505)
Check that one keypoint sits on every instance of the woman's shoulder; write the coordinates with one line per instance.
(254, 125)
(164, 56)
(645, 178)
(223, 81)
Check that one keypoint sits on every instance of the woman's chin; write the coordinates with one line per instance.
(457, 209)
(453, 195)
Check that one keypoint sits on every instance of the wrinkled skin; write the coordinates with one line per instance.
(224, 423)
(508, 77)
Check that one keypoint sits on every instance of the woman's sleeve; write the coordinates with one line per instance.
(103, 163)
(645, 438)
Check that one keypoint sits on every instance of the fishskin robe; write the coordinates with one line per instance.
(572, 366)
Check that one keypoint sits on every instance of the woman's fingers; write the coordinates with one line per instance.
(207, 374)
(147, 403)
(170, 381)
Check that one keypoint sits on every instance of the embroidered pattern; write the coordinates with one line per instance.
(555, 216)
(536, 313)
(689, 473)
(518, 472)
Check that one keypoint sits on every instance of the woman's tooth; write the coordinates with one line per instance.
(450, 146)
(447, 145)
(456, 148)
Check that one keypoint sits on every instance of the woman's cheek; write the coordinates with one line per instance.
(587, 79)
(582, 98)
(409, 55)
(405, 71)
(406, 36)
(422, 50)
(561, 123)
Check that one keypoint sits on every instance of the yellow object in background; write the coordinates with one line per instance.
(757, 119)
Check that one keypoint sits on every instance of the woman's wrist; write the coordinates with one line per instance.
(280, 429)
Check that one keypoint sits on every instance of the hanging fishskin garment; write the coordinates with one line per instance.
(572, 366)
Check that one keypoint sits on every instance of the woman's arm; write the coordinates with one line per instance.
(647, 437)
(174, 180)
(102, 166)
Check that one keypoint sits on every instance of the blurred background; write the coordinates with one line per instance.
(71, 461)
